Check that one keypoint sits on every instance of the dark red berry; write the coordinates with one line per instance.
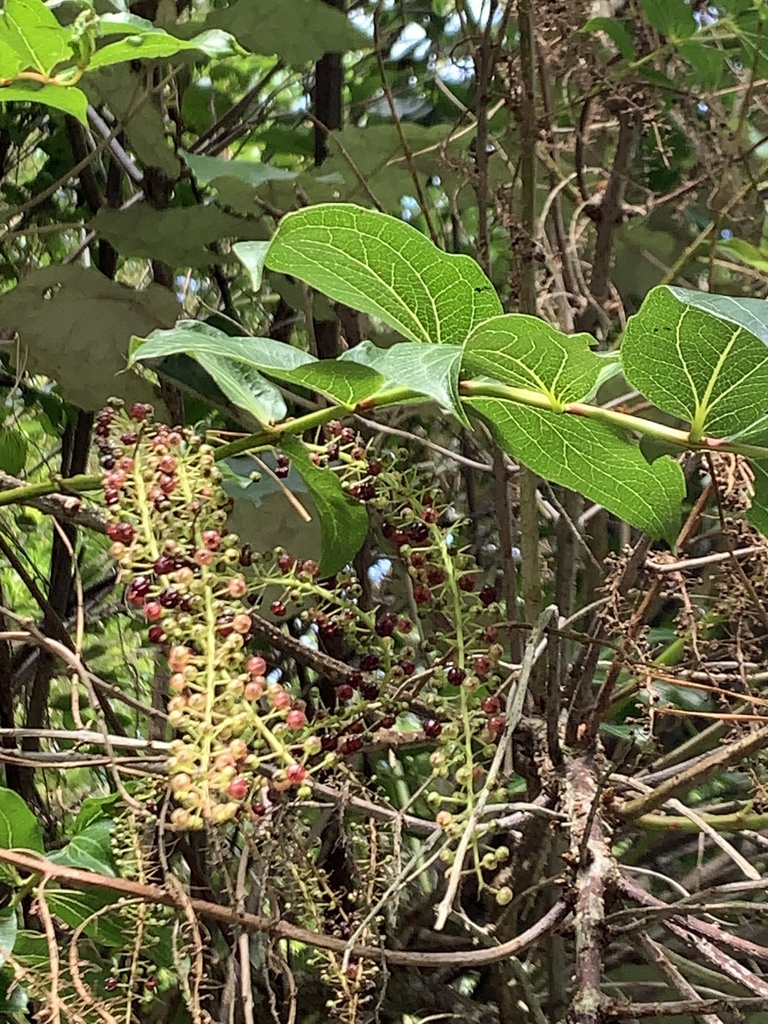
(332, 451)
(150, 984)
(168, 484)
(278, 608)
(385, 626)
(130, 437)
(351, 745)
(110, 984)
(490, 705)
(374, 467)
(496, 724)
(435, 576)
(164, 565)
(122, 532)
(344, 692)
(422, 594)
(388, 530)
(369, 663)
(467, 583)
(456, 675)
(347, 435)
(246, 556)
(387, 722)
(156, 634)
(370, 691)
(357, 728)
(407, 668)
(482, 666)
(418, 533)
(285, 562)
(430, 516)
(432, 728)
(488, 595)
(112, 497)
(355, 679)
(167, 465)
(140, 411)
(328, 742)
(169, 598)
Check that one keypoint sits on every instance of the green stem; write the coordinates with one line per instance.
(19, 495)
(736, 822)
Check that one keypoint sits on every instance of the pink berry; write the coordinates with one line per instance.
(256, 665)
(153, 611)
(295, 773)
(238, 788)
(296, 719)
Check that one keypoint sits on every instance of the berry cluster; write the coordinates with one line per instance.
(241, 735)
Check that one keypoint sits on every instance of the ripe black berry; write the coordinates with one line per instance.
(456, 675)
(488, 595)
(432, 728)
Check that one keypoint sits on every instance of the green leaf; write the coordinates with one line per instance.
(19, 828)
(230, 360)
(432, 370)
(758, 513)
(75, 324)
(252, 255)
(90, 849)
(95, 808)
(382, 266)
(75, 907)
(245, 387)
(207, 169)
(343, 521)
(67, 98)
(147, 42)
(745, 252)
(673, 18)
(616, 31)
(13, 451)
(701, 357)
(9, 927)
(592, 458)
(31, 29)
(525, 352)
(298, 31)
(181, 236)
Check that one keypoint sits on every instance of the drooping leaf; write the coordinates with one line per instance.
(231, 362)
(298, 31)
(525, 352)
(30, 28)
(144, 40)
(592, 458)
(19, 828)
(343, 521)
(67, 98)
(245, 387)
(9, 926)
(385, 267)
(242, 358)
(252, 255)
(701, 357)
(75, 324)
(431, 370)
(180, 236)
(89, 849)
(13, 450)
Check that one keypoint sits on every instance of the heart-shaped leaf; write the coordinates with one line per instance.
(384, 267)
(525, 352)
(701, 357)
(592, 458)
